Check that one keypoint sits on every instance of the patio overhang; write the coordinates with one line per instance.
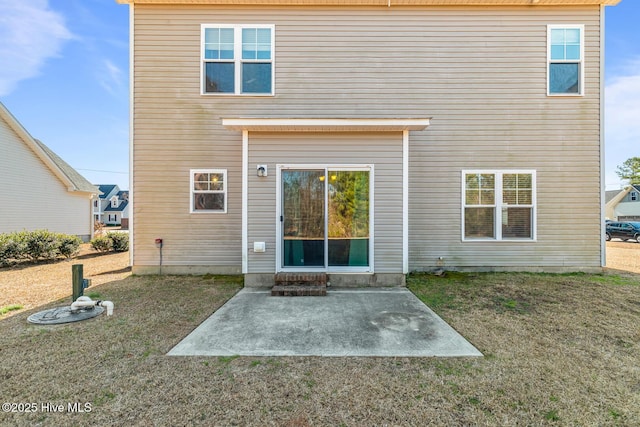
(325, 125)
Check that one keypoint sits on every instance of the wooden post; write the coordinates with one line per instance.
(76, 271)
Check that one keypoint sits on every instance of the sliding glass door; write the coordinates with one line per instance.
(325, 218)
(303, 217)
(348, 224)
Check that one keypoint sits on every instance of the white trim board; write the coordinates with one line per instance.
(267, 124)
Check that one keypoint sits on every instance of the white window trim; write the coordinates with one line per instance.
(498, 205)
(237, 58)
(581, 62)
(634, 196)
(192, 191)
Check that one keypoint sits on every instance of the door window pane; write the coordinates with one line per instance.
(348, 218)
(303, 218)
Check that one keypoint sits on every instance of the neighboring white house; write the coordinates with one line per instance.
(623, 205)
(39, 190)
(112, 208)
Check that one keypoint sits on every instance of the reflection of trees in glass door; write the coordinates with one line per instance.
(303, 209)
(348, 225)
(325, 218)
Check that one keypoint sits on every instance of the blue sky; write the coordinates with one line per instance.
(64, 67)
(64, 70)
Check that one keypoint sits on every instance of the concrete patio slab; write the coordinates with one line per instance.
(347, 322)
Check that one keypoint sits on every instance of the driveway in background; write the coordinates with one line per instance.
(623, 256)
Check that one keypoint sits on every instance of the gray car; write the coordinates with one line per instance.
(623, 230)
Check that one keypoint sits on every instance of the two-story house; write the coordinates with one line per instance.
(623, 205)
(38, 189)
(112, 208)
(366, 138)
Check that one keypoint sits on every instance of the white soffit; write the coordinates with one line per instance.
(325, 125)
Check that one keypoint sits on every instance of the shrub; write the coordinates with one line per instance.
(42, 244)
(69, 246)
(101, 244)
(119, 241)
(5, 249)
(36, 245)
(12, 248)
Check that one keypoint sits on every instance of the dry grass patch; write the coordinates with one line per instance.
(563, 346)
(30, 285)
(560, 349)
(623, 256)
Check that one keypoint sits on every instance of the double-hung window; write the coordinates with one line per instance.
(499, 205)
(565, 60)
(208, 190)
(238, 59)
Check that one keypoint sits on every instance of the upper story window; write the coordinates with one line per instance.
(565, 58)
(114, 202)
(237, 59)
(208, 190)
(499, 205)
(634, 196)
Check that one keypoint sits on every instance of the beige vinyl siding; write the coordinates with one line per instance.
(383, 149)
(480, 73)
(162, 198)
(33, 198)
